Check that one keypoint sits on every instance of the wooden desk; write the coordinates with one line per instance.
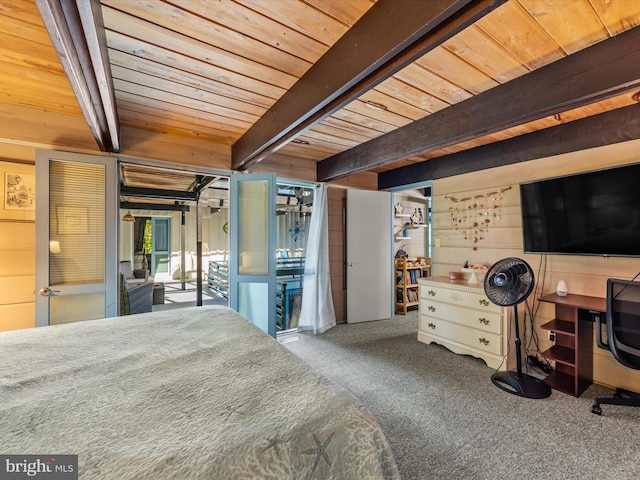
(573, 349)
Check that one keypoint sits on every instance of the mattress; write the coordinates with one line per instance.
(195, 393)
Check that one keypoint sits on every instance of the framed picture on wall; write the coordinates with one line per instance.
(18, 191)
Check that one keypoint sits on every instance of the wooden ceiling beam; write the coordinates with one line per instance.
(367, 54)
(601, 71)
(77, 33)
(93, 26)
(604, 129)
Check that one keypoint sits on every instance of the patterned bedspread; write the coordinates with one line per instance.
(187, 394)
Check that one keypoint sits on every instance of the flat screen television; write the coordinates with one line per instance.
(592, 213)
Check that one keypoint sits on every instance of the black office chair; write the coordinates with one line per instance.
(623, 336)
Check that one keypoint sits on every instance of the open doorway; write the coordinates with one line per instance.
(294, 204)
(169, 215)
(151, 245)
(412, 245)
(168, 223)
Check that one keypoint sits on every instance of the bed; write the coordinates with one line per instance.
(193, 393)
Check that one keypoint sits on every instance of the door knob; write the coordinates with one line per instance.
(47, 292)
(351, 264)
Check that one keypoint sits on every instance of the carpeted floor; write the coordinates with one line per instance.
(445, 419)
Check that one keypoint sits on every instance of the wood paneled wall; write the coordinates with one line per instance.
(584, 275)
(336, 203)
(17, 275)
(17, 260)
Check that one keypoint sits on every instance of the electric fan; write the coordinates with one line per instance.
(507, 283)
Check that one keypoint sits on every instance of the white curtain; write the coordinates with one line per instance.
(317, 312)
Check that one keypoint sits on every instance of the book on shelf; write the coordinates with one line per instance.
(412, 295)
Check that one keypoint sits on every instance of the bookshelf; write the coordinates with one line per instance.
(406, 275)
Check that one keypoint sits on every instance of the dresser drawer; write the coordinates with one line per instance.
(459, 316)
(461, 298)
(482, 341)
(486, 321)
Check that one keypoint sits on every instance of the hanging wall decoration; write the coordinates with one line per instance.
(473, 215)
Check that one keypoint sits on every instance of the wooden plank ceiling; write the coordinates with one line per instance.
(212, 69)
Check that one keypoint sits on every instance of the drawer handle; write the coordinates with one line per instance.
(431, 325)
(484, 341)
(484, 302)
(484, 321)
(432, 293)
(431, 308)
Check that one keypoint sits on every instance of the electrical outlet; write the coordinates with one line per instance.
(438, 243)
(552, 336)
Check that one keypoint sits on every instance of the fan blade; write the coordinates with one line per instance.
(518, 269)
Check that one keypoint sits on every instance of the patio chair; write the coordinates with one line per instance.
(135, 298)
(131, 276)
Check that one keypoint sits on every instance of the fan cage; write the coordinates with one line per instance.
(509, 282)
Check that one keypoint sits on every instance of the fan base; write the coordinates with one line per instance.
(523, 386)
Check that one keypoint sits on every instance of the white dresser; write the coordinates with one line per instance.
(459, 316)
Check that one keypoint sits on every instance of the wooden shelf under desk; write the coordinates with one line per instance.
(555, 325)
(561, 354)
(561, 382)
(573, 350)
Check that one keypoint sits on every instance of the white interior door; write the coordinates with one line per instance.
(252, 247)
(76, 237)
(369, 256)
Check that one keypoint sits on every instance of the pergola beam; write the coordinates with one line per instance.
(604, 70)
(154, 206)
(137, 192)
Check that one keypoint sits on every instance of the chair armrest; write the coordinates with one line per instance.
(599, 341)
(134, 282)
